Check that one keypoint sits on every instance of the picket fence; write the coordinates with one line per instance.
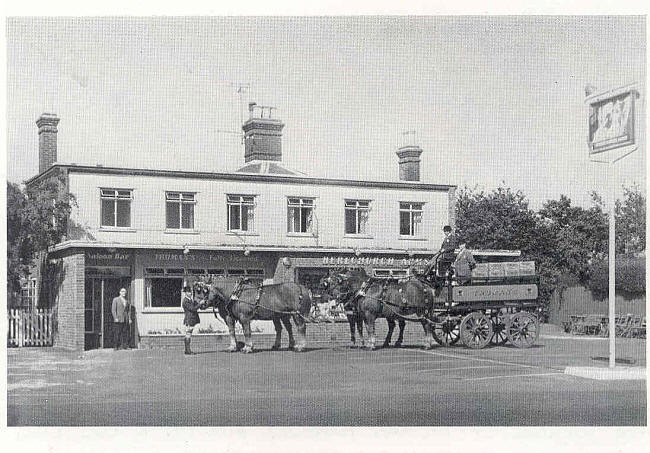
(30, 327)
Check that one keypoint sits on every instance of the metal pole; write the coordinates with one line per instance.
(612, 268)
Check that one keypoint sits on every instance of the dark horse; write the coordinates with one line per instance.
(244, 301)
(345, 287)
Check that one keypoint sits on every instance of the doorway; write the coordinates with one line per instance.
(102, 285)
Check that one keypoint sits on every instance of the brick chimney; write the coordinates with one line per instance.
(262, 134)
(47, 131)
(409, 159)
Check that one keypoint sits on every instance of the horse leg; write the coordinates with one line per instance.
(352, 324)
(402, 324)
(230, 322)
(389, 335)
(302, 332)
(359, 322)
(370, 326)
(428, 335)
(248, 340)
(278, 334)
(287, 325)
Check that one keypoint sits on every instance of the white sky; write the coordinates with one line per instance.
(493, 99)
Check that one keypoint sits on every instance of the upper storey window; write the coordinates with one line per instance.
(410, 219)
(116, 207)
(300, 214)
(356, 216)
(241, 213)
(180, 210)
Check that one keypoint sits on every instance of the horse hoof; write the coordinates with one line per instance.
(247, 349)
(398, 344)
(232, 349)
(275, 347)
(386, 345)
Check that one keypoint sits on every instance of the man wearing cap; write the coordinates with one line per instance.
(190, 307)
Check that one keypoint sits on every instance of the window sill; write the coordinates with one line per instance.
(302, 235)
(117, 229)
(412, 238)
(241, 233)
(358, 236)
(181, 232)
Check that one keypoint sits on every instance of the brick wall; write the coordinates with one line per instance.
(70, 304)
(318, 335)
(263, 139)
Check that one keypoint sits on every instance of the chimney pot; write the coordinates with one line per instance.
(47, 132)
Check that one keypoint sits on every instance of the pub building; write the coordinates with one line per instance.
(146, 230)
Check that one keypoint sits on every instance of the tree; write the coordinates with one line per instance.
(630, 221)
(577, 235)
(37, 218)
(495, 220)
(18, 247)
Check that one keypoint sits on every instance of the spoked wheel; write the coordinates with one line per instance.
(476, 330)
(522, 329)
(447, 332)
(499, 320)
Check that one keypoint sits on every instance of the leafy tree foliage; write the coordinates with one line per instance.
(630, 221)
(37, 218)
(18, 247)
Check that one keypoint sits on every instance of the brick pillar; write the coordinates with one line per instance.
(47, 131)
(409, 162)
(70, 304)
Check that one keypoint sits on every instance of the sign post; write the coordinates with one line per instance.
(614, 131)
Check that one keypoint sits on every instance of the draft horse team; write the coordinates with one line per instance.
(448, 308)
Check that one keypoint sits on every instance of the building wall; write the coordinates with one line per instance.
(70, 304)
(148, 212)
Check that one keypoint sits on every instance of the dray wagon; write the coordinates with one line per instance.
(497, 304)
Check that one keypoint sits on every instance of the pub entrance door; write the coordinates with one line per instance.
(102, 285)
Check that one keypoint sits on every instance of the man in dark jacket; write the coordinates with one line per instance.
(190, 307)
(120, 310)
(446, 252)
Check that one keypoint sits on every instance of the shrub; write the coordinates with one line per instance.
(630, 276)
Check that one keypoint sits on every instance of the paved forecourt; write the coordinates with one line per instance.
(327, 385)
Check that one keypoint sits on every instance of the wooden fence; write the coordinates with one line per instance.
(30, 327)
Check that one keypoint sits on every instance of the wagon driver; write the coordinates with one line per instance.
(446, 252)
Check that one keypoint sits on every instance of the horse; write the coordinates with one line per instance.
(345, 287)
(351, 313)
(242, 301)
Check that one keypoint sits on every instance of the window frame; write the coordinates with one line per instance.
(115, 198)
(252, 227)
(300, 206)
(181, 202)
(357, 209)
(412, 234)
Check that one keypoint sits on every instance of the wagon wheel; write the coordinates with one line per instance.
(447, 332)
(476, 330)
(522, 329)
(499, 322)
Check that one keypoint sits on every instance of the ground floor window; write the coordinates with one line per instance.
(164, 285)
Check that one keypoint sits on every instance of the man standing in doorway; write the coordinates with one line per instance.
(120, 310)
